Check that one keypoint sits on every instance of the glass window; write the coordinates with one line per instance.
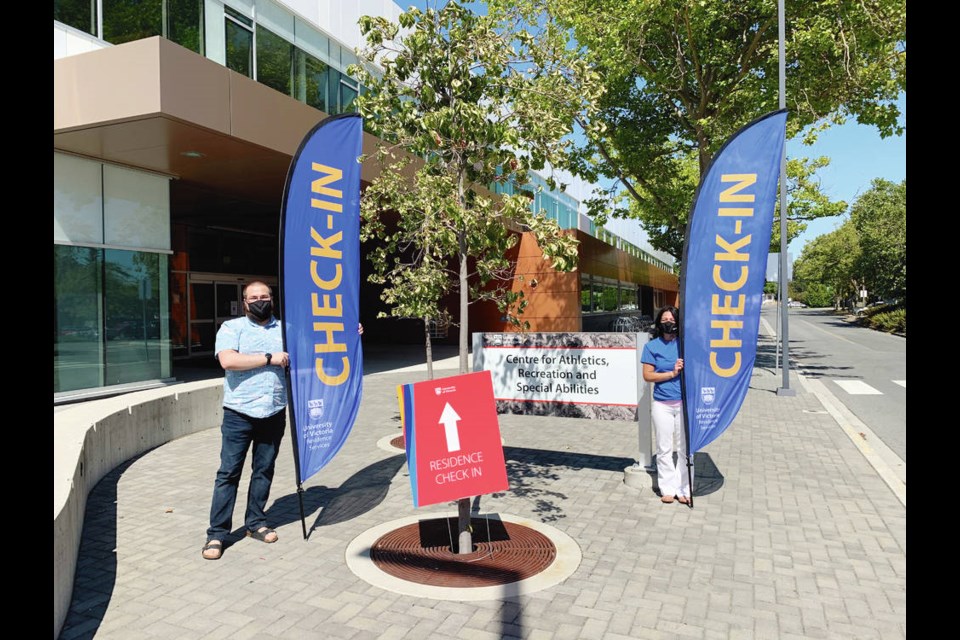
(604, 294)
(310, 80)
(274, 61)
(584, 293)
(239, 16)
(134, 316)
(348, 96)
(77, 357)
(228, 301)
(202, 332)
(279, 21)
(203, 247)
(128, 20)
(596, 291)
(79, 14)
(178, 313)
(312, 41)
(239, 47)
(185, 23)
(77, 199)
(136, 208)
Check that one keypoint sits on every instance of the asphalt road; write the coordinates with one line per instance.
(865, 369)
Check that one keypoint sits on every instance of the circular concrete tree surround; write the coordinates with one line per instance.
(531, 573)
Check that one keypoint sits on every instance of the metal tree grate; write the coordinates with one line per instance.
(504, 552)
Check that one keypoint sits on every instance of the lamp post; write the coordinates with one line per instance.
(784, 390)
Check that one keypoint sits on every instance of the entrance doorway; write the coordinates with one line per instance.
(213, 299)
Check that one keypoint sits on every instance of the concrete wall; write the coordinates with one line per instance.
(92, 439)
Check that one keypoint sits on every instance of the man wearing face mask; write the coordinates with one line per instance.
(250, 350)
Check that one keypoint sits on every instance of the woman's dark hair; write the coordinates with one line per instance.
(658, 322)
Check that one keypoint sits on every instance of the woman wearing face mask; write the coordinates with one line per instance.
(661, 366)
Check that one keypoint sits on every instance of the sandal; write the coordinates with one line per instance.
(263, 534)
(683, 500)
(212, 550)
(666, 499)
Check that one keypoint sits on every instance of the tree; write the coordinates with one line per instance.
(475, 103)
(665, 225)
(880, 218)
(868, 251)
(682, 77)
(829, 260)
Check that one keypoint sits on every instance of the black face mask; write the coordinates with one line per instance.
(261, 309)
(669, 327)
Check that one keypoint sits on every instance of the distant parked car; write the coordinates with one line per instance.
(797, 304)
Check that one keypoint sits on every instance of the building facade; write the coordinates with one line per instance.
(174, 125)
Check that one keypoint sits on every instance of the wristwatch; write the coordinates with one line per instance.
(269, 358)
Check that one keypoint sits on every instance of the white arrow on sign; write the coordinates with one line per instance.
(449, 420)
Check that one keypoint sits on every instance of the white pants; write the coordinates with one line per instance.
(668, 425)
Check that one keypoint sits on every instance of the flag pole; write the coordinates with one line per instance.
(293, 441)
(686, 423)
(286, 371)
(680, 322)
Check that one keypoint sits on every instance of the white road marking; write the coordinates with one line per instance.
(857, 388)
(902, 383)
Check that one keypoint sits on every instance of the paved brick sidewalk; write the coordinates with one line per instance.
(796, 536)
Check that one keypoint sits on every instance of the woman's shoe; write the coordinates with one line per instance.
(666, 499)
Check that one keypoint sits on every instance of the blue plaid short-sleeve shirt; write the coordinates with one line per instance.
(260, 392)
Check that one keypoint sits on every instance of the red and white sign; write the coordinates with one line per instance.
(457, 450)
(584, 375)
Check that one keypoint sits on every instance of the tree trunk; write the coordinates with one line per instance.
(429, 347)
(464, 308)
(465, 537)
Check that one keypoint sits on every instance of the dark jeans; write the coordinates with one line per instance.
(238, 431)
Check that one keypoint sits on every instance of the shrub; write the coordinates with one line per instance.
(889, 319)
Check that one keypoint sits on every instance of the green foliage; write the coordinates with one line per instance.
(867, 252)
(770, 287)
(665, 228)
(880, 217)
(463, 101)
(817, 294)
(682, 77)
(829, 260)
(887, 318)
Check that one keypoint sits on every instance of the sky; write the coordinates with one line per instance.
(857, 155)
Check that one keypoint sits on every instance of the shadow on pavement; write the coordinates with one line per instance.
(768, 358)
(96, 571)
(361, 492)
(707, 478)
(529, 471)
